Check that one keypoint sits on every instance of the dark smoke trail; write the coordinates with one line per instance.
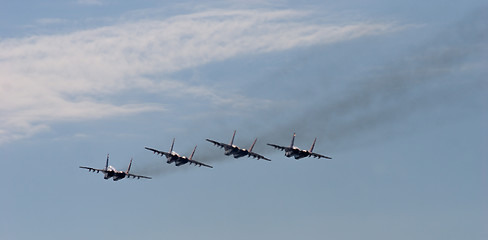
(387, 97)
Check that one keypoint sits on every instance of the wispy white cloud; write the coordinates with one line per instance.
(44, 79)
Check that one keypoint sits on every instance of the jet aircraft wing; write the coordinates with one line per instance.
(255, 155)
(130, 175)
(222, 145)
(94, 169)
(278, 147)
(198, 163)
(166, 154)
(316, 155)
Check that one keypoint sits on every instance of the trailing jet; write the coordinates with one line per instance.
(298, 153)
(176, 158)
(110, 172)
(231, 149)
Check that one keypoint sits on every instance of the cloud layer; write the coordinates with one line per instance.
(46, 79)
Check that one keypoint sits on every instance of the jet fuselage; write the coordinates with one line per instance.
(119, 175)
(297, 153)
(113, 173)
(177, 159)
(173, 158)
(236, 151)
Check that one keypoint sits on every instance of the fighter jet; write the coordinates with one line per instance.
(110, 172)
(231, 149)
(176, 158)
(298, 153)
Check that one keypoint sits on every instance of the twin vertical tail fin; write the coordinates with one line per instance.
(232, 140)
(292, 141)
(106, 163)
(191, 156)
(172, 144)
(250, 149)
(313, 145)
(130, 164)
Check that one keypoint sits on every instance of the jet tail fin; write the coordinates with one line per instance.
(172, 144)
(292, 140)
(130, 164)
(313, 145)
(106, 163)
(250, 149)
(191, 156)
(232, 140)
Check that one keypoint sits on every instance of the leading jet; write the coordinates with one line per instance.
(231, 149)
(111, 172)
(298, 153)
(176, 158)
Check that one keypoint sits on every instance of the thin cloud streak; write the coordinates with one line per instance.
(41, 75)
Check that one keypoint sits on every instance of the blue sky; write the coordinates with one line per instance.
(395, 92)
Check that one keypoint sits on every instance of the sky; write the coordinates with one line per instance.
(394, 92)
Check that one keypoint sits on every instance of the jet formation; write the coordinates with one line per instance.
(229, 149)
(111, 172)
